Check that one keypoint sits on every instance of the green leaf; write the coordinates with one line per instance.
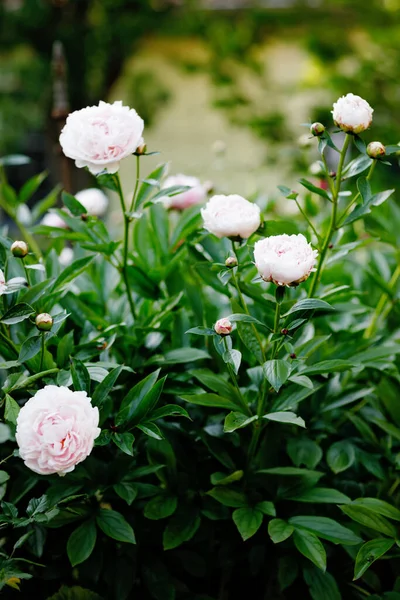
(310, 546)
(153, 180)
(80, 376)
(248, 521)
(233, 358)
(370, 519)
(210, 400)
(201, 331)
(285, 417)
(160, 507)
(304, 451)
(113, 524)
(243, 318)
(237, 420)
(266, 507)
(326, 528)
(276, 372)
(183, 355)
(124, 441)
(369, 553)
(228, 497)
(181, 528)
(365, 208)
(30, 187)
(72, 271)
(104, 388)
(73, 205)
(279, 530)
(328, 366)
(11, 410)
(219, 478)
(340, 456)
(215, 382)
(378, 506)
(322, 586)
(81, 542)
(17, 313)
(131, 404)
(127, 491)
(314, 189)
(30, 348)
(310, 304)
(151, 429)
(74, 593)
(322, 496)
(65, 348)
(356, 166)
(169, 410)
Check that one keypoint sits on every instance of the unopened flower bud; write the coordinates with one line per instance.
(293, 355)
(19, 249)
(231, 262)
(141, 149)
(317, 129)
(223, 327)
(284, 331)
(44, 322)
(376, 149)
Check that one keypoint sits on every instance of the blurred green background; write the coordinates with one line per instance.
(223, 85)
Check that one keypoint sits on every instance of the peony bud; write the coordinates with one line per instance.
(223, 327)
(352, 114)
(376, 149)
(19, 249)
(44, 322)
(317, 129)
(284, 259)
(142, 149)
(231, 262)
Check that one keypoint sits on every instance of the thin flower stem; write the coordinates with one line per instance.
(329, 178)
(380, 307)
(42, 353)
(244, 305)
(127, 221)
(276, 329)
(332, 224)
(308, 220)
(343, 216)
(27, 273)
(133, 203)
(232, 374)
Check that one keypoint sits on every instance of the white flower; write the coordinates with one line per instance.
(51, 219)
(231, 216)
(195, 195)
(284, 259)
(12, 285)
(66, 256)
(3, 285)
(56, 430)
(352, 113)
(99, 137)
(94, 200)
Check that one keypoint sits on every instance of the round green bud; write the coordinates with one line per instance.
(317, 129)
(376, 149)
(19, 249)
(231, 262)
(44, 322)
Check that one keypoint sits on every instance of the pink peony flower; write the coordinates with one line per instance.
(56, 430)
(195, 195)
(231, 216)
(99, 137)
(352, 113)
(284, 259)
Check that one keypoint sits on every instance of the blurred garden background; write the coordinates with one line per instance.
(223, 85)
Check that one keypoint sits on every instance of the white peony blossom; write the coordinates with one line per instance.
(12, 285)
(99, 137)
(231, 216)
(51, 219)
(56, 430)
(195, 195)
(284, 259)
(352, 113)
(94, 200)
(66, 256)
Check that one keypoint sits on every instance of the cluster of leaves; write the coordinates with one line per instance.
(269, 456)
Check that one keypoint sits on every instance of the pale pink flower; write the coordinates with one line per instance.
(223, 326)
(284, 259)
(52, 219)
(99, 137)
(352, 113)
(94, 200)
(195, 195)
(231, 216)
(56, 430)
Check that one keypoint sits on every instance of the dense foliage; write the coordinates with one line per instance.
(266, 458)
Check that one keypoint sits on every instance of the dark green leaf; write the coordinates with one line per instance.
(127, 491)
(378, 506)
(181, 528)
(228, 497)
(124, 441)
(80, 376)
(17, 313)
(248, 521)
(311, 547)
(130, 405)
(322, 496)
(73, 205)
(285, 417)
(279, 530)
(310, 304)
(169, 410)
(326, 528)
(160, 507)
(81, 542)
(11, 410)
(276, 372)
(30, 348)
(113, 524)
(369, 553)
(104, 388)
(210, 400)
(237, 420)
(340, 456)
(314, 189)
(370, 519)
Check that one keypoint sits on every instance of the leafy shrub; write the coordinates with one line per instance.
(267, 457)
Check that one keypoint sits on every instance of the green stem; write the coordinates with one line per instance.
(332, 224)
(26, 273)
(235, 383)
(42, 353)
(127, 221)
(329, 178)
(133, 203)
(276, 329)
(343, 216)
(307, 219)
(381, 305)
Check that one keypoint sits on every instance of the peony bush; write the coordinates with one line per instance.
(210, 402)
